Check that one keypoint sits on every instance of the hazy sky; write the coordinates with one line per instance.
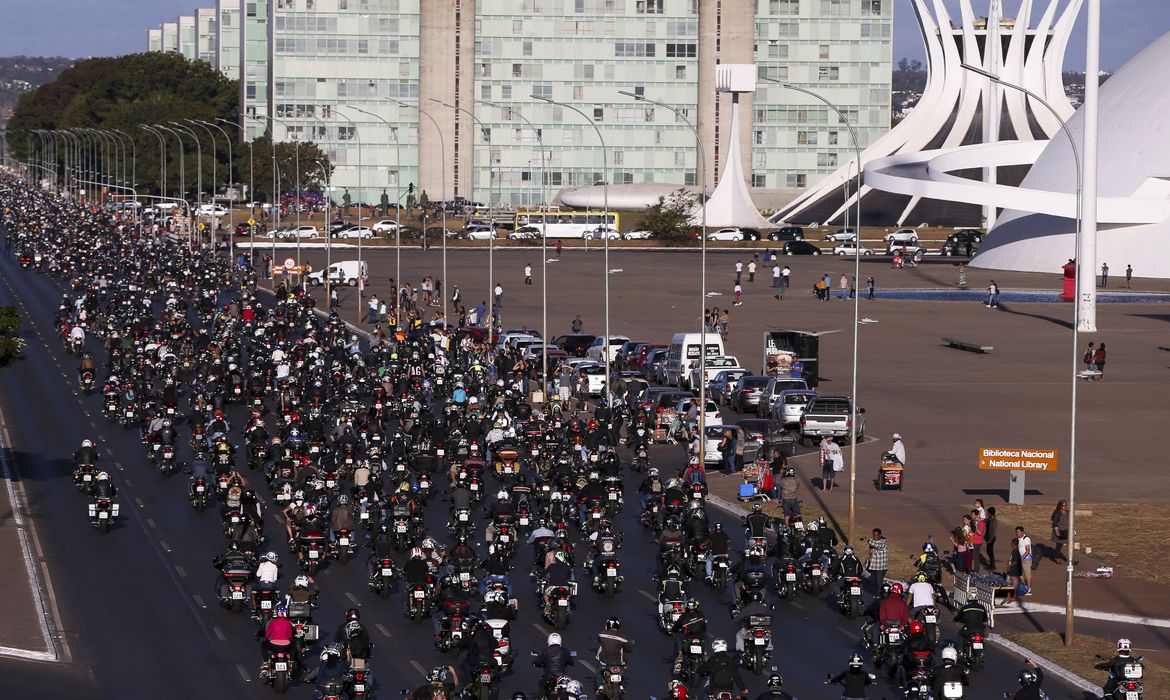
(111, 27)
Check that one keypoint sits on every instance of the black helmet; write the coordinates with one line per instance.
(718, 527)
(1027, 677)
(775, 682)
(352, 615)
(613, 624)
(855, 661)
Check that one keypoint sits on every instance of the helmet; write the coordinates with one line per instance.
(718, 645)
(503, 495)
(310, 509)
(692, 604)
(1123, 646)
(950, 654)
(718, 527)
(343, 500)
(916, 627)
(554, 639)
(518, 695)
(269, 557)
(885, 589)
(928, 548)
(352, 615)
(1027, 677)
(301, 581)
(921, 577)
(102, 476)
(789, 472)
(652, 472)
(756, 551)
(855, 661)
(813, 526)
(562, 557)
(775, 681)
(280, 611)
(677, 690)
(331, 653)
(436, 675)
(613, 624)
(756, 508)
(352, 628)
(896, 589)
(87, 443)
(848, 552)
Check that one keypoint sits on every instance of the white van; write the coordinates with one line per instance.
(343, 272)
(683, 354)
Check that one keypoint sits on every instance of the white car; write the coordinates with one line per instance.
(640, 234)
(713, 416)
(594, 375)
(306, 231)
(843, 234)
(848, 248)
(714, 436)
(902, 235)
(524, 233)
(726, 234)
(211, 210)
(479, 233)
(597, 354)
(711, 367)
(600, 232)
(385, 226)
(356, 232)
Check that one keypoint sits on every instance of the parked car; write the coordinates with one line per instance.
(829, 415)
(710, 367)
(601, 232)
(726, 234)
(600, 348)
(902, 235)
(962, 242)
(846, 233)
(745, 395)
(721, 385)
(683, 405)
(576, 344)
(385, 226)
(787, 233)
(306, 231)
(639, 234)
(788, 407)
(800, 248)
(622, 358)
(639, 359)
(524, 233)
(654, 365)
(772, 390)
(594, 375)
(905, 249)
(479, 233)
(762, 437)
(711, 440)
(356, 232)
(211, 210)
(849, 248)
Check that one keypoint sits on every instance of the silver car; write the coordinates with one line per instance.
(789, 405)
(771, 392)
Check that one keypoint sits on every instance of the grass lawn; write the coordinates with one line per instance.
(1080, 658)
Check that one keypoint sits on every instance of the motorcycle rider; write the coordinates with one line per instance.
(103, 488)
(354, 639)
(603, 546)
(972, 617)
(332, 667)
(452, 601)
(921, 594)
(232, 559)
(917, 643)
(753, 606)
(650, 488)
(949, 671)
(86, 454)
(848, 566)
(613, 648)
(1031, 683)
(890, 608)
(853, 679)
(462, 557)
(341, 518)
(755, 523)
(554, 660)
(87, 365)
(690, 625)
(557, 573)
(278, 636)
(1116, 666)
(749, 566)
(381, 547)
(774, 692)
(440, 685)
(718, 545)
(721, 670)
(267, 572)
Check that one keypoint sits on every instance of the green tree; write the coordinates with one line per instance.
(310, 155)
(669, 218)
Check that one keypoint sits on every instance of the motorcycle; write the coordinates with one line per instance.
(418, 602)
(814, 576)
(83, 477)
(483, 682)
(919, 677)
(102, 513)
(343, 546)
(1129, 685)
(609, 580)
(311, 552)
(692, 660)
(236, 591)
(357, 682)
(849, 599)
(385, 574)
(165, 459)
(198, 494)
(452, 633)
(973, 650)
(719, 572)
(611, 683)
(559, 608)
(929, 618)
(280, 669)
(502, 654)
(263, 603)
(889, 648)
(758, 644)
(87, 383)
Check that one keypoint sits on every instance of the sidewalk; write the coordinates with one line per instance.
(21, 635)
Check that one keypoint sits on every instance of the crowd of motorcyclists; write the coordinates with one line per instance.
(350, 443)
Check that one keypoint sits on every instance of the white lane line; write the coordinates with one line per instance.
(243, 673)
(129, 484)
(163, 543)
(150, 522)
(540, 628)
(180, 571)
(383, 630)
(591, 667)
(140, 502)
(198, 600)
(845, 632)
(649, 596)
(418, 667)
(219, 634)
(352, 598)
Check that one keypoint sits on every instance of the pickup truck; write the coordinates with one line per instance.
(829, 415)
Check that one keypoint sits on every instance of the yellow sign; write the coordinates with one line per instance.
(1017, 459)
(251, 221)
(202, 225)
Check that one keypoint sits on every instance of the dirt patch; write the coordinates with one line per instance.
(1080, 658)
(1112, 532)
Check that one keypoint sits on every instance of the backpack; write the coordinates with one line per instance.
(931, 564)
(695, 475)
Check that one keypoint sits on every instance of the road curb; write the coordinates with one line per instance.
(1026, 608)
(1046, 664)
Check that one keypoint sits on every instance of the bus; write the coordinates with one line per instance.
(569, 224)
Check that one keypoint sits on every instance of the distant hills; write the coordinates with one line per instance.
(20, 74)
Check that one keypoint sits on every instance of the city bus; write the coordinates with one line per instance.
(569, 224)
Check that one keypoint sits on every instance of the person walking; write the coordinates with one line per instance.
(1088, 357)
(828, 279)
(334, 301)
(1099, 361)
(499, 293)
(558, 248)
(978, 538)
(738, 294)
(869, 288)
(373, 304)
(752, 269)
(992, 295)
(1024, 548)
(738, 271)
(577, 324)
(776, 277)
(1104, 274)
(456, 297)
(528, 274)
(843, 287)
(878, 561)
(1059, 531)
(990, 532)
(786, 277)
(1129, 276)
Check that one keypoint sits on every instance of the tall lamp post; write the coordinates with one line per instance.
(162, 158)
(604, 229)
(1081, 309)
(856, 303)
(702, 264)
(228, 184)
(443, 158)
(361, 282)
(274, 205)
(543, 246)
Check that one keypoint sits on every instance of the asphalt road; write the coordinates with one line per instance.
(139, 612)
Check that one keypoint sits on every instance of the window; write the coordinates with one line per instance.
(829, 72)
(517, 70)
(505, 92)
(485, 70)
(619, 157)
(250, 9)
(758, 138)
(527, 48)
(788, 29)
(583, 71)
(680, 72)
(542, 91)
(363, 46)
(681, 51)
(518, 27)
(485, 135)
(832, 138)
(598, 114)
(372, 89)
(871, 7)
(639, 90)
(578, 92)
(759, 180)
(680, 159)
(689, 179)
(649, 7)
(824, 52)
(682, 116)
(392, 178)
(797, 180)
(346, 133)
(784, 7)
(634, 49)
(826, 160)
(250, 91)
(806, 138)
(485, 92)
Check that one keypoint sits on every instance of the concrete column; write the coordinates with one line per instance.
(447, 73)
(727, 34)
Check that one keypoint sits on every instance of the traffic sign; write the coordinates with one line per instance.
(289, 263)
(251, 221)
(202, 225)
(999, 458)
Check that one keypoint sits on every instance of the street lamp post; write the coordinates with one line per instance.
(856, 303)
(360, 281)
(604, 230)
(162, 159)
(1082, 308)
(182, 176)
(228, 184)
(198, 162)
(274, 204)
(251, 184)
(443, 151)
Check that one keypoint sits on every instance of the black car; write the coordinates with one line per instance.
(787, 233)
(801, 248)
(750, 234)
(764, 435)
(575, 343)
(962, 242)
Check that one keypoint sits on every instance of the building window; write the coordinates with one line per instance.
(598, 114)
(518, 27)
(680, 72)
(619, 157)
(649, 7)
(689, 179)
(346, 133)
(806, 138)
(527, 48)
(542, 91)
(827, 160)
(517, 70)
(681, 51)
(824, 52)
(829, 72)
(759, 180)
(485, 92)
(635, 49)
(680, 159)
(250, 91)
(363, 46)
(578, 92)
(250, 9)
(871, 7)
(784, 7)
(485, 135)
(797, 180)
(758, 137)
(832, 138)
(505, 92)
(485, 70)
(639, 90)
(372, 89)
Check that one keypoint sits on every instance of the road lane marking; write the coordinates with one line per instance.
(383, 630)
(353, 598)
(198, 600)
(150, 522)
(591, 667)
(418, 667)
(649, 596)
(219, 633)
(540, 628)
(243, 673)
(166, 547)
(180, 571)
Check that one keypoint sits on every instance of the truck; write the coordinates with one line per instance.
(793, 353)
(829, 415)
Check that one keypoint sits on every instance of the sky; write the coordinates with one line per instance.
(80, 28)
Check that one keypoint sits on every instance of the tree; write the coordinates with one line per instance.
(312, 160)
(668, 219)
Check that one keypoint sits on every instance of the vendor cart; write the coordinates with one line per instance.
(890, 473)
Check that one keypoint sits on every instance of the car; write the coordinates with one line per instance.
(721, 385)
(524, 233)
(966, 235)
(776, 385)
(211, 210)
(962, 242)
(575, 343)
(385, 226)
(598, 349)
(534, 351)
(595, 376)
(762, 437)
(714, 436)
(849, 248)
(639, 234)
(668, 399)
(653, 364)
(745, 395)
(787, 233)
(726, 234)
(638, 360)
(846, 233)
(622, 358)
(306, 231)
(902, 235)
(683, 405)
(904, 249)
(600, 232)
(800, 248)
(479, 233)
(337, 225)
(356, 232)
(711, 367)
(789, 406)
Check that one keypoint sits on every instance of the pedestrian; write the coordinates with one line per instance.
(1024, 547)
(990, 532)
(499, 292)
(266, 265)
(1088, 357)
(852, 286)
(828, 448)
(1099, 361)
(738, 271)
(828, 279)
(1059, 531)
(724, 323)
(473, 318)
(777, 465)
(738, 294)
(786, 275)
(776, 276)
(843, 287)
(577, 324)
(727, 451)
(1129, 276)
(1015, 572)
(456, 297)
(752, 269)
(993, 295)
(438, 286)
(978, 537)
(528, 274)
(959, 547)
(962, 276)
(373, 304)
(878, 561)
(381, 311)
(1104, 274)
(869, 286)
(334, 302)
(558, 249)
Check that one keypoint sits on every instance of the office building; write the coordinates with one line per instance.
(187, 37)
(205, 33)
(227, 39)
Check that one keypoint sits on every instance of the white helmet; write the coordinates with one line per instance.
(1124, 645)
(554, 639)
(102, 476)
(87, 443)
(269, 557)
(503, 495)
(416, 553)
(301, 581)
(718, 645)
(949, 653)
